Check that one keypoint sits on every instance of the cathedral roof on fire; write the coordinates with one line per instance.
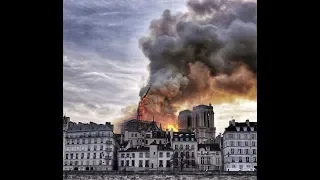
(139, 125)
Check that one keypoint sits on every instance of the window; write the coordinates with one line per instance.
(70, 163)
(192, 139)
(247, 159)
(240, 166)
(67, 156)
(140, 163)
(122, 163)
(132, 135)
(246, 151)
(246, 143)
(127, 162)
(101, 141)
(254, 159)
(94, 155)
(122, 155)
(127, 154)
(240, 159)
(208, 160)
(76, 163)
(95, 147)
(192, 146)
(254, 151)
(95, 140)
(101, 147)
(238, 136)
(147, 163)
(187, 155)
(218, 161)
(181, 139)
(252, 136)
(239, 151)
(168, 154)
(71, 156)
(154, 153)
(246, 136)
(232, 143)
(230, 136)
(168, 163)
(181, 146)
(65, 162)
(248, 166)
(140, 155)
(133, 155)
(176, 146)
(187, 146)
(217, 153)
(82, 155)
(232, 151)
(161, 154)
(253, 143)
(232, 159)
(132, 163)
(202, 160)
(146, 141)
(192, 154)
(135, 135)
(239, 143)
(233, 166)
(89, 148)
(176, 139)
(160, 163)
(83, 141)
(68, 141)
(147, 155)
(88, 156)
(187, 139)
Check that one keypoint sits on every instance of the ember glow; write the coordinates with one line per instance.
(170, 126)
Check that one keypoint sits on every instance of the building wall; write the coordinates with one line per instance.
(193, 146)
(85, 151)
(230, 143)
(212, 164)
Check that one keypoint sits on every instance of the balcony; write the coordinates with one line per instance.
(108, 150)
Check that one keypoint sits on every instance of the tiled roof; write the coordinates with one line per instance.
(241, 125)
(184, 135)
(212, 147)
(136, 125)
(82, 127)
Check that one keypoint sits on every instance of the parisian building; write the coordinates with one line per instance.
(89, 146)
(209, 157)
(240, 146)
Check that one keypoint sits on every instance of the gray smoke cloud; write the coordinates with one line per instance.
(201, 50)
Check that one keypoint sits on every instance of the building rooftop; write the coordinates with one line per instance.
(139, 125)
(83, 127)
(233, 126)
(184, 135)
(211, 147)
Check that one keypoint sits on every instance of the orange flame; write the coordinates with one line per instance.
(170, 126)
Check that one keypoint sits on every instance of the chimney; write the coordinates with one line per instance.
(233, 122)
(230, 122)
(247, 122)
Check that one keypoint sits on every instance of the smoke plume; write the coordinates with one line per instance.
(208, 54)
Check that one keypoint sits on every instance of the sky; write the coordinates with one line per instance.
(103, 67)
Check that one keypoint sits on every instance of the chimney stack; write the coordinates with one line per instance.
(247, 122)
(230, 122)
(233, 122)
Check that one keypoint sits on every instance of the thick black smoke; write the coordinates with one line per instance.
(186, 51)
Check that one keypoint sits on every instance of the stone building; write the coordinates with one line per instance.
(89, 147)
(154, 157)
(66, 121)
(185, 148)
(240, 146)
(200, 121)
(209, 157)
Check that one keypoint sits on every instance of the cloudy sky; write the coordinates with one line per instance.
(104, 68)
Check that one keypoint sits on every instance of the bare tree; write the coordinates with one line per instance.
(180, 158)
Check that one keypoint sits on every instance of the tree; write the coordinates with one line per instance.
(179, 159)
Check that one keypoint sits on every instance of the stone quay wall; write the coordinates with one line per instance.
(83, 175)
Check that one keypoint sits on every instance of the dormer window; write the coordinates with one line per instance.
(245, 128)
(238, 128)
(252, 129)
